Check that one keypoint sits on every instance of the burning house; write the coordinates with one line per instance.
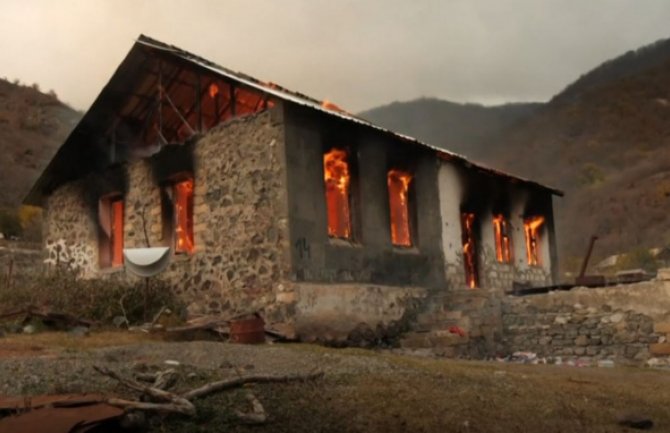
(276, 202)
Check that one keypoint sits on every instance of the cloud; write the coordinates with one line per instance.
(358, 54)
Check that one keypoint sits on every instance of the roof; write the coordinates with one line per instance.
(62, 167)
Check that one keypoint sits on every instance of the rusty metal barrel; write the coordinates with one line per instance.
(247, 330)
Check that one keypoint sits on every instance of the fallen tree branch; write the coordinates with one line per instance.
(167, 402)
(155, 393)
(257, 414)
(222, 385)
(180, 406)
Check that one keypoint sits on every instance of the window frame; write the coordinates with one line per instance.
(111, 232)
(506, 233)
(351, 201)
(169, 213)
(409, 207)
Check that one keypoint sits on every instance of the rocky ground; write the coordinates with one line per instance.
(362, 391)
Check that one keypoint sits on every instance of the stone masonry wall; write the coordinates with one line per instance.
(476, 313)
(626, 322)
(240, 221)
(17, 261)
(69, 232)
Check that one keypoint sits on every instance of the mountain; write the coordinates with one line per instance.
(463, 128)
(32, 126)
(604, 140)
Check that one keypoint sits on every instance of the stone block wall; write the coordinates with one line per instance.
(577, 331)
(240, 221)
(625, 322)
(69, 232)
(18, 260)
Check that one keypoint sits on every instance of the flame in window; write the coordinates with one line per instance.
(117, 232)
(398, 186)
(532, 227)
(337, 178)
(213, 90)
(469, 249)
(502, 238)
(183, 192)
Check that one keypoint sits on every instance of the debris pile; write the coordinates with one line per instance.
(79, 413)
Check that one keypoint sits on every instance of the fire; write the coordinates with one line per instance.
(502, 238)
(117, 232)
(469, 249)
(331, 106)
(398, 186)
(213, 90)
(337, 179)
(183, 195)
(531, 227)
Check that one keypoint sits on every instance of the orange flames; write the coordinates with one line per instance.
(531, 227)
(213, 90)
(337, 178)
(117, 232)
(503, 242)
(331, 106)
(183, 192)
(469, 249)
(398, 186)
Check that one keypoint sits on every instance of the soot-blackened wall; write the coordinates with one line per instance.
(370, 257)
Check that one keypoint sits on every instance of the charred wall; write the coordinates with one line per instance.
(369, 257)
(467, 190)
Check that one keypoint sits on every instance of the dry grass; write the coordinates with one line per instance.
(52, 343)
(454, 396)
(366, 391)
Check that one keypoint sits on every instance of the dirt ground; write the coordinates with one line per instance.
(362, 391)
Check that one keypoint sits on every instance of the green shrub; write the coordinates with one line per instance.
(640, 258)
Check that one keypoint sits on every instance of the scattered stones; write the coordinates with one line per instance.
(79, 331)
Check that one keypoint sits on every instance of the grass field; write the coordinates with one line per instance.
(369, 391)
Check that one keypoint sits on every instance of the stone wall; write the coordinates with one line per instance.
(354, 313)
(69, 230)
(240, 221)
(477, 313)
(17, 261)
(622, 322)
(459, 187)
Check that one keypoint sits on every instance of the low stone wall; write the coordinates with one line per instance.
(18, 261)
(358, 314)
(621, 322)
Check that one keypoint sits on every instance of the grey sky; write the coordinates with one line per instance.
(359, 54)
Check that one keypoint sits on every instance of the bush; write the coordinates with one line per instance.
(591, 174)
(94, 299)
(640, 258)
(10, 225)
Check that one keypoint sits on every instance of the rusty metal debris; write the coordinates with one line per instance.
(50, 318)
(74, 413)
(589, 280)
